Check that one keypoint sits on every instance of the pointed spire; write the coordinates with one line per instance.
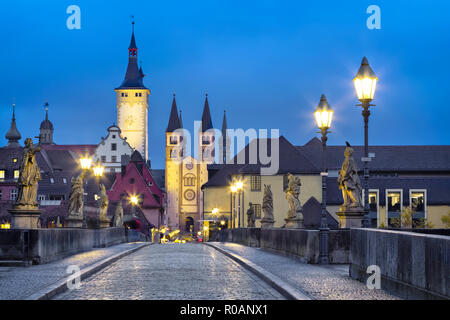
(13, 135)
(134, 75)
(206, 116)
(174, 121)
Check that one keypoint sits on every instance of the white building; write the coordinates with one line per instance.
(110, 151)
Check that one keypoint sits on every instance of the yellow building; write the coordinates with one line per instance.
(415, 177)
(133, 103)
(184, 174)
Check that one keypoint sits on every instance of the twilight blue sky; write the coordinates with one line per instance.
(265, 62)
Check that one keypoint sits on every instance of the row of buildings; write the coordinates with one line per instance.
(191, 191)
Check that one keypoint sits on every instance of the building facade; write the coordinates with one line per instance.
(402, 177)
(111, 150)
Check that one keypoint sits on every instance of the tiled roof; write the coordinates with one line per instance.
(387, 158)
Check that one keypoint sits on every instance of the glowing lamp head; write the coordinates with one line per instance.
(134, 200)
(85, 163)
(98, 170)
(222, 222)
(365, 82)
(323, 114)
(205, 228)
(215, 211)
(233, 188)
(239, 185)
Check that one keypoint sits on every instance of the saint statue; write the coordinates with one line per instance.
(103, 203)
(29, 177)
(267, 206)
(118, 215)
(250, 216)
(292, 194)
(349, 181)
(76, 197)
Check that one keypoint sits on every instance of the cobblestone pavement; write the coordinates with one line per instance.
(320, 282)
(21, 282)
(174, 271)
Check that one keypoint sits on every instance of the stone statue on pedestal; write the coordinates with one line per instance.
(103, 204)
(25, 212)
(29, 177)
(267, 207)
(351, 211)
(250, 216)
(118, 215)
(294, 217)
(75, 218)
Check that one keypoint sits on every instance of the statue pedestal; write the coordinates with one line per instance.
(105, 222)
(294, 223)
(25, 218)
(74, 221)
(267, 223)
(350, 217)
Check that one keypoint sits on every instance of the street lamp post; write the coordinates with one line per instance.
(323, 115)
(233, 203)
(85, 166)
(98, 172)
(365, 83)
(239, 187)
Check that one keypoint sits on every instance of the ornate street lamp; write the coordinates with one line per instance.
(365, 83)
(324, 116)
(85, 164)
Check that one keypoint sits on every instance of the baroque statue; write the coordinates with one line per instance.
(76, 197)
(292, 194)
(251, 216)
(118, 215)
(267, 207)
(349, 182)
(103, 203)
(29, 177)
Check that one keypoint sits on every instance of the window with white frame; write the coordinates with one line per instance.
(418, 203)
(374, 205)
(394, 199)
(13, 194)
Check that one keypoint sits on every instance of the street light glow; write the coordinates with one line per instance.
(233, 188)
(134, 200)
(365, 82)
(239, 185)
(215, 211)
(323, 114)
(98, 170)
(85, 163)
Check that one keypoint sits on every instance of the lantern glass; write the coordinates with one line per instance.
(323, 118)
(365, 88)
(85, 163)
(98, 170)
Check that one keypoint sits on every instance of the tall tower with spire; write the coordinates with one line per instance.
(46, 129)
(13, 135)
(225, 141)
(133, 103)
(206, 138)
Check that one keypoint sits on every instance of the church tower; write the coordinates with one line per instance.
(13, 135)
(133, 103)
(46, 129)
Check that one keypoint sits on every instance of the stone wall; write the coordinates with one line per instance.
(46, 245)
(412, 265)
(300, 243)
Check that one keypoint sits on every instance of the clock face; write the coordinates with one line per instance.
(130, 121)
(189, 195)
(189, 166)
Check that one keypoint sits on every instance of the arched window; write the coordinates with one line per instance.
(189, 180)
